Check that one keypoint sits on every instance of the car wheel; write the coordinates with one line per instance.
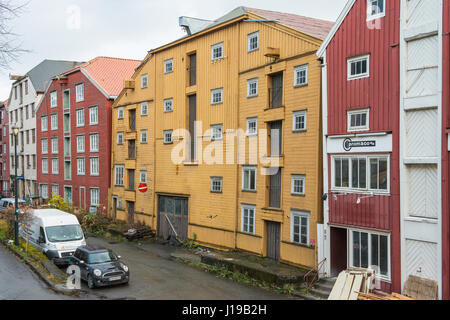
(90, 282)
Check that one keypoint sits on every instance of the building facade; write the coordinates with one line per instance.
(74, 132)
(5, 187)
(224, 128)
(385, 142)
(26, 93)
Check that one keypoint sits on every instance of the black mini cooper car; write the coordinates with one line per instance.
(100, 266)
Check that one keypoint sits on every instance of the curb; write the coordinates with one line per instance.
(55, 287)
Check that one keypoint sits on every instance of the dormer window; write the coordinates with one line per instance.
(358, 120)
(376, 9)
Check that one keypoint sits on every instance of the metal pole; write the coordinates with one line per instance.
(16, 222)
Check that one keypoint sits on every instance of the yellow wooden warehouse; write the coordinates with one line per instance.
(224, 126)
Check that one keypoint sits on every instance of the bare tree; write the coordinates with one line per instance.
(9, 49)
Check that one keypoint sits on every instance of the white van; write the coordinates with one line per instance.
(56, 233)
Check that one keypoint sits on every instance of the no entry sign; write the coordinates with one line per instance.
(143, 187)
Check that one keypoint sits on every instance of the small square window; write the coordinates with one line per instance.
(217, 96)
(252, 88)
(301, 76)
(253, 41)
(168, 66)
(144, 109)
(358, 120)
(217, 51)
(299, 122)
(252, 126)
(298, 185)
(216, 132)
(168, 105)
(358, 67)
(144, 81)
(216, 184)
(168, 137)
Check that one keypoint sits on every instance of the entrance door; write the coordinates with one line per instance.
(173, 217)
(273, 240)
(338, 255)
(114, 211)
(68, 194)
(130, 206)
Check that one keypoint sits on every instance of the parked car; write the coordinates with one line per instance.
(56, 233)
(5, 202)
(100, 267)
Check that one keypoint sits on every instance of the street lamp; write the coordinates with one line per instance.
(15, 130)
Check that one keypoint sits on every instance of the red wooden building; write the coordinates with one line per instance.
(5, 186)
(382, 112)
(74, 131)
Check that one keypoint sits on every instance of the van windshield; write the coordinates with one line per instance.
(64, 233)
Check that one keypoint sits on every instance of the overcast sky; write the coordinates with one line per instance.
(80, 30)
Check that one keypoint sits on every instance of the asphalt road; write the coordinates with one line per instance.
(155, 277)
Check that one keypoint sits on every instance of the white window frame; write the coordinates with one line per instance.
(252, 120)
(119, 175)
(249, 38)
(301, 214)
(213, 93)
(53, 99)
(119, 138)
(93, 116)
(79, 92)
(168, 105)
(249, 168)
(296, 114)
(44, 167)
(80, 117)
(350, 113)
(298, 69)
(371, 16)
(294, 178)
(120, 113)
(216, 179)
(166, 64)
(44, 145)
(144, 106)
(96, 197)
(216, 135)
(354, 60)
(250, 82)
(144, 133)
(250, 208)
(350, 250)
(368, 157)
(166, 141)
(44, 123)
(44, 195)
(57, 189)
(216, 46)
(144, 81)
(143, 176)
(94, 145)
(79, 149)
(81, 166)
(55, 146)
(53, 166)
(92, 166)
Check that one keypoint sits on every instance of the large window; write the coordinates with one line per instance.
(249, 178)
(370, 250)
(217, 51)
(248, 219)
(358, 67)
(119, 171)
(300, 227)
(361, 173)
(376, 9)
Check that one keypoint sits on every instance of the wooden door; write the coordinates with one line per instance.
(173, 217)
(273, 240)
(130, 212)
(131, 179)
(277, 91)
(275, 189)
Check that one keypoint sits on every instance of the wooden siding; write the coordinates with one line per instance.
(215, 218)
(380, 93)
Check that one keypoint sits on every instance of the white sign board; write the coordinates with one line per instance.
(369, 143)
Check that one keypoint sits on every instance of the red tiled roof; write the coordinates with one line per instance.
(314, 27)
(109, 73)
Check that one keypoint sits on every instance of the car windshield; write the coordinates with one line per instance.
(64, 233)
(102, 257)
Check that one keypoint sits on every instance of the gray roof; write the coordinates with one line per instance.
(43, 72)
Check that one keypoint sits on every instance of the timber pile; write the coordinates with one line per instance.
(377, 297)
(350, 282)
(140, 233)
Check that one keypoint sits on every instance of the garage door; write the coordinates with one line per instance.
(173, 217)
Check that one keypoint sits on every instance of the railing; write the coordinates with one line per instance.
(312, 277)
